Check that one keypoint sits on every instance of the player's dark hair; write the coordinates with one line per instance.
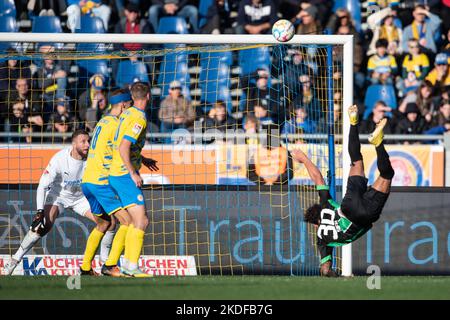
(312, 214)
(140, 90)
(79, 132)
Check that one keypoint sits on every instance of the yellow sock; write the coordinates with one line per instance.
(137, 241)
(91, 247)
(117, 246)
(127, 242)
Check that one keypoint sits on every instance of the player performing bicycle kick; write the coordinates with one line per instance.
(60, 189)
(361, 206)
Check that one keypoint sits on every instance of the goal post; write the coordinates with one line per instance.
(346, 42)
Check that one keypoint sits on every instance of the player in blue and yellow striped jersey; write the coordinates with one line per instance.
(124, 174)
(95, 185)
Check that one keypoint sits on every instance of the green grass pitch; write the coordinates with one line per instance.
(224, 288)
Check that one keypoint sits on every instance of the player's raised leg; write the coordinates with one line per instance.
(41, 225)
(383, 182)
(354, 145)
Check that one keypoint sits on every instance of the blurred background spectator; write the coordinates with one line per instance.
(256, 16)
(180, 8)
(77, 8)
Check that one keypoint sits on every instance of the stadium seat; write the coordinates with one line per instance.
(252, 59)
(215, 78)
(354, 7)
(203, 8)
(47, 24)
(91, 25)
(8, 24)
(131, 71)
(174, 67)
(7, 8)
(172, 25)
(91, 67)
(377, 92)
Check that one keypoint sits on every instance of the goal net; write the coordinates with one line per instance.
(225, 113)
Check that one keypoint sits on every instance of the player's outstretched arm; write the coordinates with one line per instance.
(124, 151)
(313, 171)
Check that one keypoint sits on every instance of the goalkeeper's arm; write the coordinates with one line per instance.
(313, 171)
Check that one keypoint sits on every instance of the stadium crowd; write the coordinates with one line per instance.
(401, 67)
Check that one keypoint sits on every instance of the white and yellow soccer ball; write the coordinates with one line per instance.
(283, 30)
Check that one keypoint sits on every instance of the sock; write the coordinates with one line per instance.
(27, 243)
(105, 245)
(137, 241)
(354, 146)
(117, 246)
(128, 245)
(91, 247)
(383, 163)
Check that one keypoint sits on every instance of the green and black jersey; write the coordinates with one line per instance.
(335, 229)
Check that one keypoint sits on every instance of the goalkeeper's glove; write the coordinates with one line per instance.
(38, 223)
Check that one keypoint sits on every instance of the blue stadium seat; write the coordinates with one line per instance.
(174, 67)
(203, 8)
(131, 71)
(7, 8)
(377, 92)
(354, 7)
(8, 24)
(215, 78)
(47, 24)
(252, 59)
(91, 25)
(172, 25)
(91, 67)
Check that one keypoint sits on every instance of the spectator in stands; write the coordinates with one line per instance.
(341, 18)
(18, 122)
(300, 123)
(443, 117)
(180, 8)
(132, 24)
(50, 78)
(378, 112)
(218, 118)
(260, 93)
(12, 69)
(251, 126)
(298, 65)
(382, 67)
(422, 29)
(424, 99)
(308, 98)
(414, 68)
(439, 77)
(261, 113)
(61, 122)
(33, 106)
(92, 103)
(176, 111)
(309, 22)
(75, 8)
(385, 28)
(218, 18)
(256, 16)
(412, 123)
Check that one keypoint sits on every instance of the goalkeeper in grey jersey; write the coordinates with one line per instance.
(361, 206)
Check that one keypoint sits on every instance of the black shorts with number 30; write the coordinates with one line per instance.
(362, 205)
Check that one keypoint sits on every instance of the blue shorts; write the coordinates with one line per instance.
(127, 191)
(102, 198)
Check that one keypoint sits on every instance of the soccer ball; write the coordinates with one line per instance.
(283, 30)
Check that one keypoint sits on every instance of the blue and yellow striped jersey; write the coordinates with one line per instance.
(101, 151)
(132, 125)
